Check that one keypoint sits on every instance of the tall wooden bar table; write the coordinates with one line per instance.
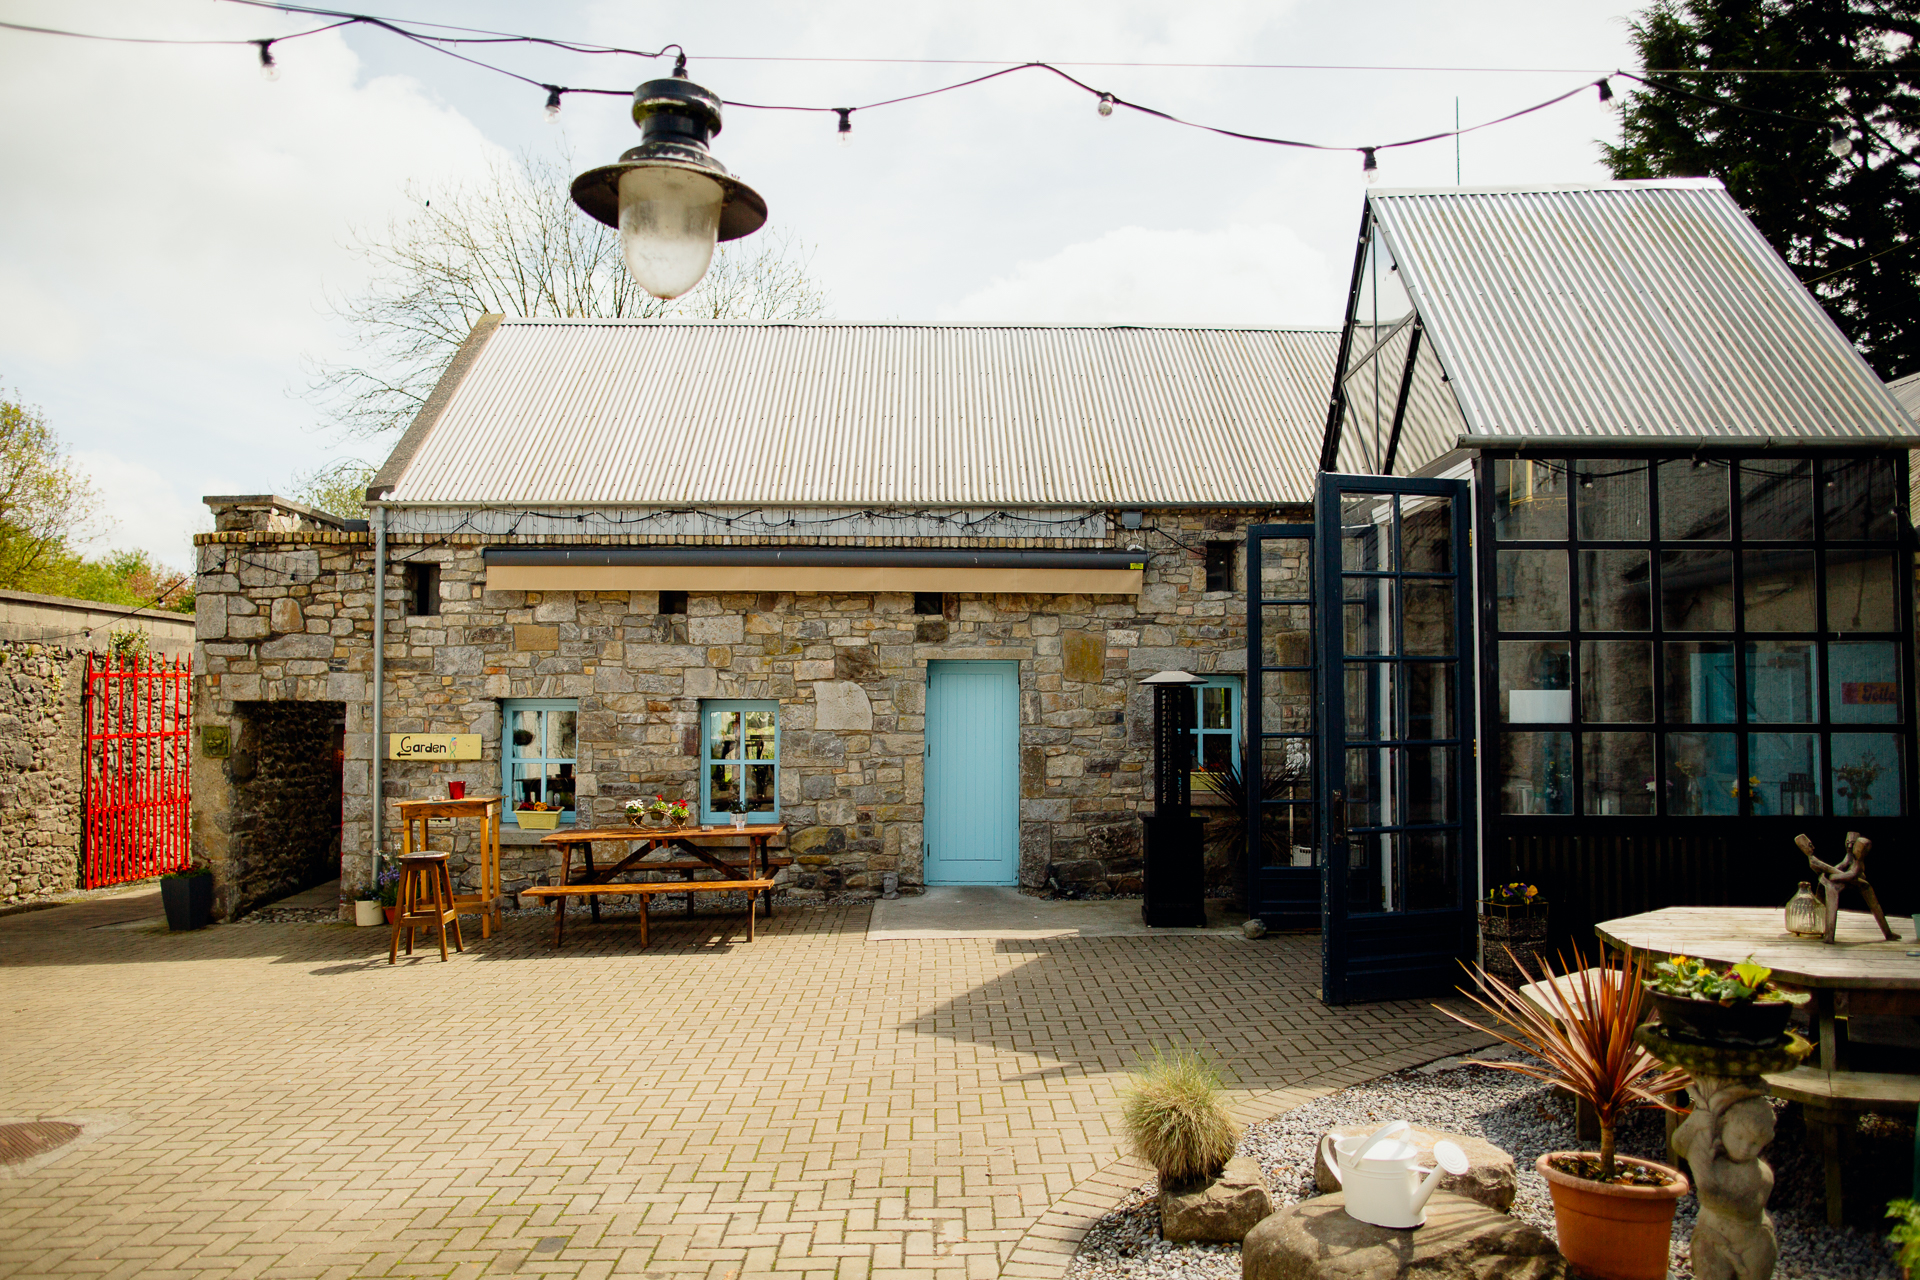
(486, 903)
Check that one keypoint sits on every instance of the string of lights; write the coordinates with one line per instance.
(1105, 100)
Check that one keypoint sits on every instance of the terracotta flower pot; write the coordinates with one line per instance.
(389, 913)
(1613, 1232)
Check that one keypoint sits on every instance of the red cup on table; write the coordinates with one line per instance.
(456, 791)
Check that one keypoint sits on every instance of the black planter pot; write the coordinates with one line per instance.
(1748, 1024)
(1175, 889)
(188, 900)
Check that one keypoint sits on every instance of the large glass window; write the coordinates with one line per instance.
(541, 749)
(739, 759)
(1699, 636)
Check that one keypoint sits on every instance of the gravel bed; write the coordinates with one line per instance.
(1523, 1118)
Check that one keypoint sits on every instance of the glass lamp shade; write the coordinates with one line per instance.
(669, 220)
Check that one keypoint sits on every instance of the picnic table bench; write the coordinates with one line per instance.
(592, 883)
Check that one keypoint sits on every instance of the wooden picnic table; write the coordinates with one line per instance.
(705, 852)
(1860, 974)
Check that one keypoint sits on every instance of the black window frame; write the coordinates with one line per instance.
(1741, 726)
(423, 589)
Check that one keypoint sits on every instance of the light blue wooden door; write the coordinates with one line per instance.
(973, 772)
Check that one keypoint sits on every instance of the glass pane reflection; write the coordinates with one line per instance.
(1615, 590)
(1427, 622)
(1700, 774)
(1779, 590)
(1861, 498)
(1534, 683)
(1532, 591)
(1780, 682)
(1776, 499)
(1536, 772)
(1863, 682)
(1783, 774)
(1867, 775)
(1610, 496)
(1433, 869)
(1700, 688)
(1619, 773)
(1862, 592)
(1429, 688)
(1694, 501)
(1616, 681)
(1696, 590)
(1529, 501)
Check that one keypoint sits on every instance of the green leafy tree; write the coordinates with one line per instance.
(130, 578)
(339, 489)
(45, 501)
(1720, 107)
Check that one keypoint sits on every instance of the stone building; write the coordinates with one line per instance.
(898, 584)
(44, 643)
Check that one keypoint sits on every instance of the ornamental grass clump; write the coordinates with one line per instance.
(1172, 1115)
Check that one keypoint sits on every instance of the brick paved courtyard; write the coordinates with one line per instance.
(274, 1100)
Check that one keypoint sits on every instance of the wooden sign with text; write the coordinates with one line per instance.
(433, 746)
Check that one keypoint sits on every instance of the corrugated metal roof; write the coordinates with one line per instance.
(1630, 310)
(636, 412)
(1907, 391)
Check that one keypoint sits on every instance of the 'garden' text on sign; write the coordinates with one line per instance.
(433, 746)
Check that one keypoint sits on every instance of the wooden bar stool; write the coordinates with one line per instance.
(425, 900)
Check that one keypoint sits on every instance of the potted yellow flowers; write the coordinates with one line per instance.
(1512, 919)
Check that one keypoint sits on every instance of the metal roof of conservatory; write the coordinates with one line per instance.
(600, 412)
(1613, 313)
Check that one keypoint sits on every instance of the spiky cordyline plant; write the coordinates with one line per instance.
(1589, 1051)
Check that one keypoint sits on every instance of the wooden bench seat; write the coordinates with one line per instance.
(644, 889)
(1830, 1100)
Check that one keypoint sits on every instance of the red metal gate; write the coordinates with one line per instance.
(138, 720)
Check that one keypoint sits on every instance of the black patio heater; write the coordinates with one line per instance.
(1172, 841)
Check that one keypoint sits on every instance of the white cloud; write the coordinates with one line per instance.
(1237, 275)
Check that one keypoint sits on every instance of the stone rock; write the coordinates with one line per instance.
(1254, 928)
(1219, 1211)
(1490, 1181)
(1462, 1240)
(843, 705)
(1084, 656)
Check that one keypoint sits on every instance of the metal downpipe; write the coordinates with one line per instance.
(379, 675)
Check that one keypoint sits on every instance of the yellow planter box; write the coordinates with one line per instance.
(534, 820)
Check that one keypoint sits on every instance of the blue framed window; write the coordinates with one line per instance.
(539, 747)
(739, 753)
(1217, 723)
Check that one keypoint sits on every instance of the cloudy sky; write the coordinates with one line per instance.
(174, 225)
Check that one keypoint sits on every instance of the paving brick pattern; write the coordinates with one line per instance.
(274, 1100)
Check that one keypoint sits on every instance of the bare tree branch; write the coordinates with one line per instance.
(514, 243)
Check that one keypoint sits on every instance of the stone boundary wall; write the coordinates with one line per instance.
(287, 614)
(40, 782)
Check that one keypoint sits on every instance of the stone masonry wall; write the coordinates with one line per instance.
(40, 784)
(287, 615)
(286, 800)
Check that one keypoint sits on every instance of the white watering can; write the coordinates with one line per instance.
(1380, 1172)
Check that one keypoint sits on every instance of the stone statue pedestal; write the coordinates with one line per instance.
(1721, 1141)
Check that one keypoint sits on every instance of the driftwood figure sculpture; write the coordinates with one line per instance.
(1851, 871)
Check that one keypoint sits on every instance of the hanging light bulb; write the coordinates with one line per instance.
(1606, 90)
(269, 69)
(669, 197)
(1369, 166)
(1106, 104)
(1841, 143)
(846, 125)
(552, 112)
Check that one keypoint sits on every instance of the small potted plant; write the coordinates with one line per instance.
(1613, 1213)
(537, 815)
(668, 813)
(739, 810)
(188, 898)
(386, 887)
(636, 811)
(1739, 1005)
(366, 907)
